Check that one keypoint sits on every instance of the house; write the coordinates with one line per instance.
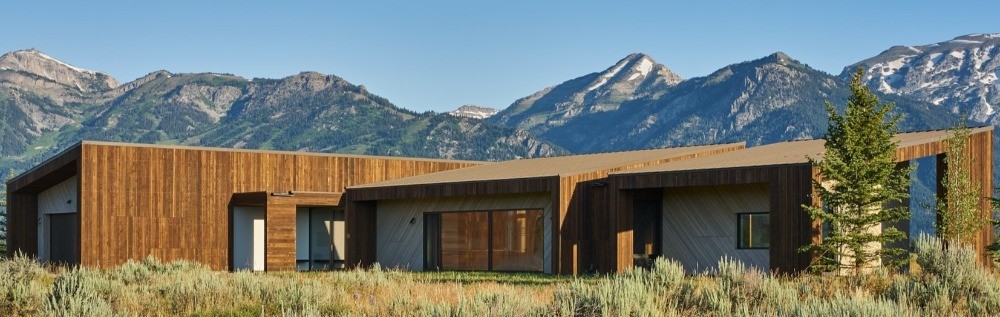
(535, 215)
(100, 204)
(747, 204)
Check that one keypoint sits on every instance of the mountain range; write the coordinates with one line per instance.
(635, 103)
(771, 99)
(48, 105)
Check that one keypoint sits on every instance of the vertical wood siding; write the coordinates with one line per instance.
(173, 202)
(790, 189)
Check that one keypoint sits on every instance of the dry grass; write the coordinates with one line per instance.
(949, 284)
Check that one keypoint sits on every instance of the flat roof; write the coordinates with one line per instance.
(221, 149)
(551, 166)
(783, 153)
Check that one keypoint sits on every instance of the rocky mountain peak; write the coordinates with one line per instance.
(35, 62)
(778, 57)
(959, 74)
(474, 111)
(634, 70)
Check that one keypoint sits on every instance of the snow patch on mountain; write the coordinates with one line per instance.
(644, 66)
(965, 42)
(474, 111)
(960, 74)
(42, 55)
(608, 75)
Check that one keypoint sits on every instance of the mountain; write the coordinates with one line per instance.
(637, 76)
(474, 111)
(772, 99)
(36, 63)
(959, 75)
(48, 105)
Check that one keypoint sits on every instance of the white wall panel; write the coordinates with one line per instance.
(248, 238)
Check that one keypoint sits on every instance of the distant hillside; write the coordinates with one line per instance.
(48, 104)
(638, 103)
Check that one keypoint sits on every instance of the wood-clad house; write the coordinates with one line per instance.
(101, 204)
(747, 204)
(537, 215)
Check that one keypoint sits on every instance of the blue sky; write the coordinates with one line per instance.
(437, 55)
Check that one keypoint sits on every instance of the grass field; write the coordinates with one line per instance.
(950, 283)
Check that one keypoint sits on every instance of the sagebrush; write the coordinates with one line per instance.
(949, 282)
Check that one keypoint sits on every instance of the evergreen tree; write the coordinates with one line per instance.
(959, 209)
(860, 186)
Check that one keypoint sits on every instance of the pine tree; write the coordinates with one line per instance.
(860, 186)
(959, 209)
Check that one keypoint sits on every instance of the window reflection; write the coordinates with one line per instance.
(486, 240)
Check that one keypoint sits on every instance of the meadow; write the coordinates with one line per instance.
(948, 282)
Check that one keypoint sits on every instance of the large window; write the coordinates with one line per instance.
(319, 236)
(464, 241)
(484, 241)
(753, 230)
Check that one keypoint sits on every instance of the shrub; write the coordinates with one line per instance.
(77, 292)
(23, 286)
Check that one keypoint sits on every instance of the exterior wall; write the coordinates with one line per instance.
(248, 238)
(59, 199)
(173, 202)
(699, 225)
(22, 199)
(789, 187)
(400, 244)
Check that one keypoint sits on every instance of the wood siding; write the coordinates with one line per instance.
(22, 198)
(790, 188)
(361, 204)
(173, 202)
(401, 243)
(580, 236)
(979, 151)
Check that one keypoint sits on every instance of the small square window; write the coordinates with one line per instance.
(753, 230)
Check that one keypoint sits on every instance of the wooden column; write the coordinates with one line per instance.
(280, 235)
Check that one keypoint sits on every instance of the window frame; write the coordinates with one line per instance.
(739, 230)
(489, 217)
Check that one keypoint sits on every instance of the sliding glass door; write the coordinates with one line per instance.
(319, 238)
(484, 241)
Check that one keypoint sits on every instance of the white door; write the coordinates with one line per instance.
(258, 245)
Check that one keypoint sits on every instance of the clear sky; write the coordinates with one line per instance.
(438, 55)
